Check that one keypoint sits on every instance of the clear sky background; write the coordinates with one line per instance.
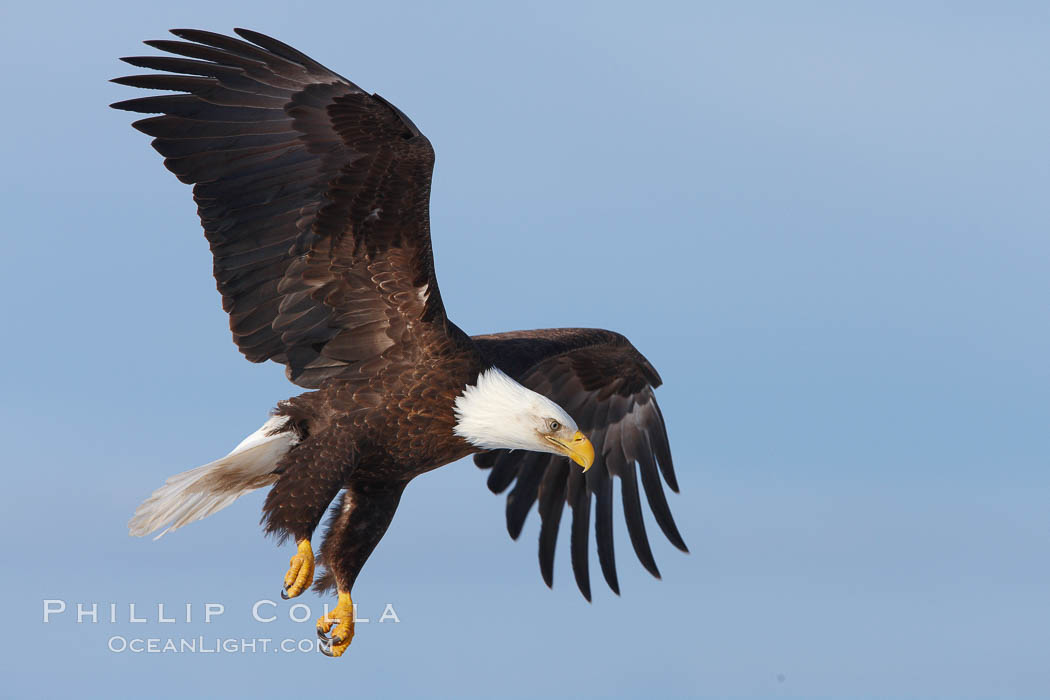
(826, 224)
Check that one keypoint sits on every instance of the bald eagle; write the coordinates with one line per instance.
(314, 197)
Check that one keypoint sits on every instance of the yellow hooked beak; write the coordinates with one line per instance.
(579, 449)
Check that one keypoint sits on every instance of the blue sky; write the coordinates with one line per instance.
(826, 226)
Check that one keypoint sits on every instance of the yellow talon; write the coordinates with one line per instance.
(340, 622)
(300, 571)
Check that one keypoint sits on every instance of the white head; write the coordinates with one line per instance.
(499, 413)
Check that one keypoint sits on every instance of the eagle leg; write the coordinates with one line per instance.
(338, 622)
(300, 571)
(310, 477)
(357, 525)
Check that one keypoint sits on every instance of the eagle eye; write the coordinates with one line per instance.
(554, 425)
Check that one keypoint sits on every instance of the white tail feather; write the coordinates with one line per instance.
(197, 493)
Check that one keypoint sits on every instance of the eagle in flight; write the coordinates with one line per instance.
(314, 197)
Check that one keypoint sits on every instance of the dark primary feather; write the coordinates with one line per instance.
(313, 195)
(607, 386)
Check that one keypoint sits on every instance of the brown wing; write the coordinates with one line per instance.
(312, 193)
(607, 387)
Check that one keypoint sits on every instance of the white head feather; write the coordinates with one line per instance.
(499, 413)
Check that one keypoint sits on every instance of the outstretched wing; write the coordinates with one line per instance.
(607, 387)
(312, 193)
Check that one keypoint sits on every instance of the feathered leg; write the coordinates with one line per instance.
(311, 476)
(355, 530)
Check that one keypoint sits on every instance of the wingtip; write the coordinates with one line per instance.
(547, 571)
(613, 582)
(675, 538)
(197, 36)
(653, 570)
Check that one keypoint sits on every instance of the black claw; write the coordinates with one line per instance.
(322, 635)
(284, 594)
(337, 640)
(325, 649)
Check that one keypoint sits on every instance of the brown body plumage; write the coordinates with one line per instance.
(314, 197)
